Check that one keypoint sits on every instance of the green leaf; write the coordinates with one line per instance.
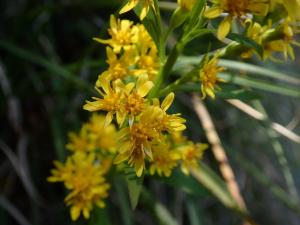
(258, 70)
(134, 185)
(209, 179)
(187, 184)
(262, 85)
(162, 214)
(247, 42)
(232, 92)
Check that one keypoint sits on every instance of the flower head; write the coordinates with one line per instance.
(190, 155)
(209, 76)
(136, 145)
(235, 8)
(164, 159)
(83, 176)
(284, 45)
(122, 32)
(111, 100)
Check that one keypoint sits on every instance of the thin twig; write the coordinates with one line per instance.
(218, 151)
(261, 117)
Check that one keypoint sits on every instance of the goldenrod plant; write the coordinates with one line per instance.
(137, 77)
(162, 65)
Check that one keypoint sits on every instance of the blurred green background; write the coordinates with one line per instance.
(48, 64)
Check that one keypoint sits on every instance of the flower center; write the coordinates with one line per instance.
(236, 7)
(134, 104)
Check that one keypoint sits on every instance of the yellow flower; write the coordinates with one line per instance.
(135, 145)
(285, 44)
(81, 141)
(161, 121)
(145, 5)
(122, 32)
(103, 137)
(111, 100)
(164, 160)
(235, 8)
(186, 5)
(134, 101)
(209, 76)
(147, 59)
(84, 178)
(120, 99)
(119, 66)
(256, 32)
(190, 155)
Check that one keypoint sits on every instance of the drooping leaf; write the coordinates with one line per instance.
(247, 42)
(135, 185)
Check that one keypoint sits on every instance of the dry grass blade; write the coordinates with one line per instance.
(259, 116)
(218, 151)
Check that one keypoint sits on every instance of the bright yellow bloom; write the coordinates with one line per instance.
(283, 45)
(81, 141)
(161, 121)
(103, 137)
(138, 139)
(122, 32)
(190, 155)
(92, 136)
(209, 76)
(119, 66)
(256, 32)
(120, 99)
(134, 101)
(147, 59)
(111, 100)
(83, 176)
(186, 5)
(145, 5)
(164, 159)
(135, 145)
(235, 8)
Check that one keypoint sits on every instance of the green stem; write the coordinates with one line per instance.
(166, 68)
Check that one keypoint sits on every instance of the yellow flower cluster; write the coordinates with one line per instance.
(287, 30)
(130, 51)
(143, 121)
(235, 9)
(209, 76)
(84, 170)
(174, 151)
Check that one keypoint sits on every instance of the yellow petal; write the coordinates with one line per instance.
(260, 9)
(129, 6)
(101, 41)
(213, 12)
(108, 118)
(75, 212)
(167, 102)
(92, 106)
(293, 8)
(86, 213)
(145, 88)
(121, 157)
(224, 28)
(144, 12)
